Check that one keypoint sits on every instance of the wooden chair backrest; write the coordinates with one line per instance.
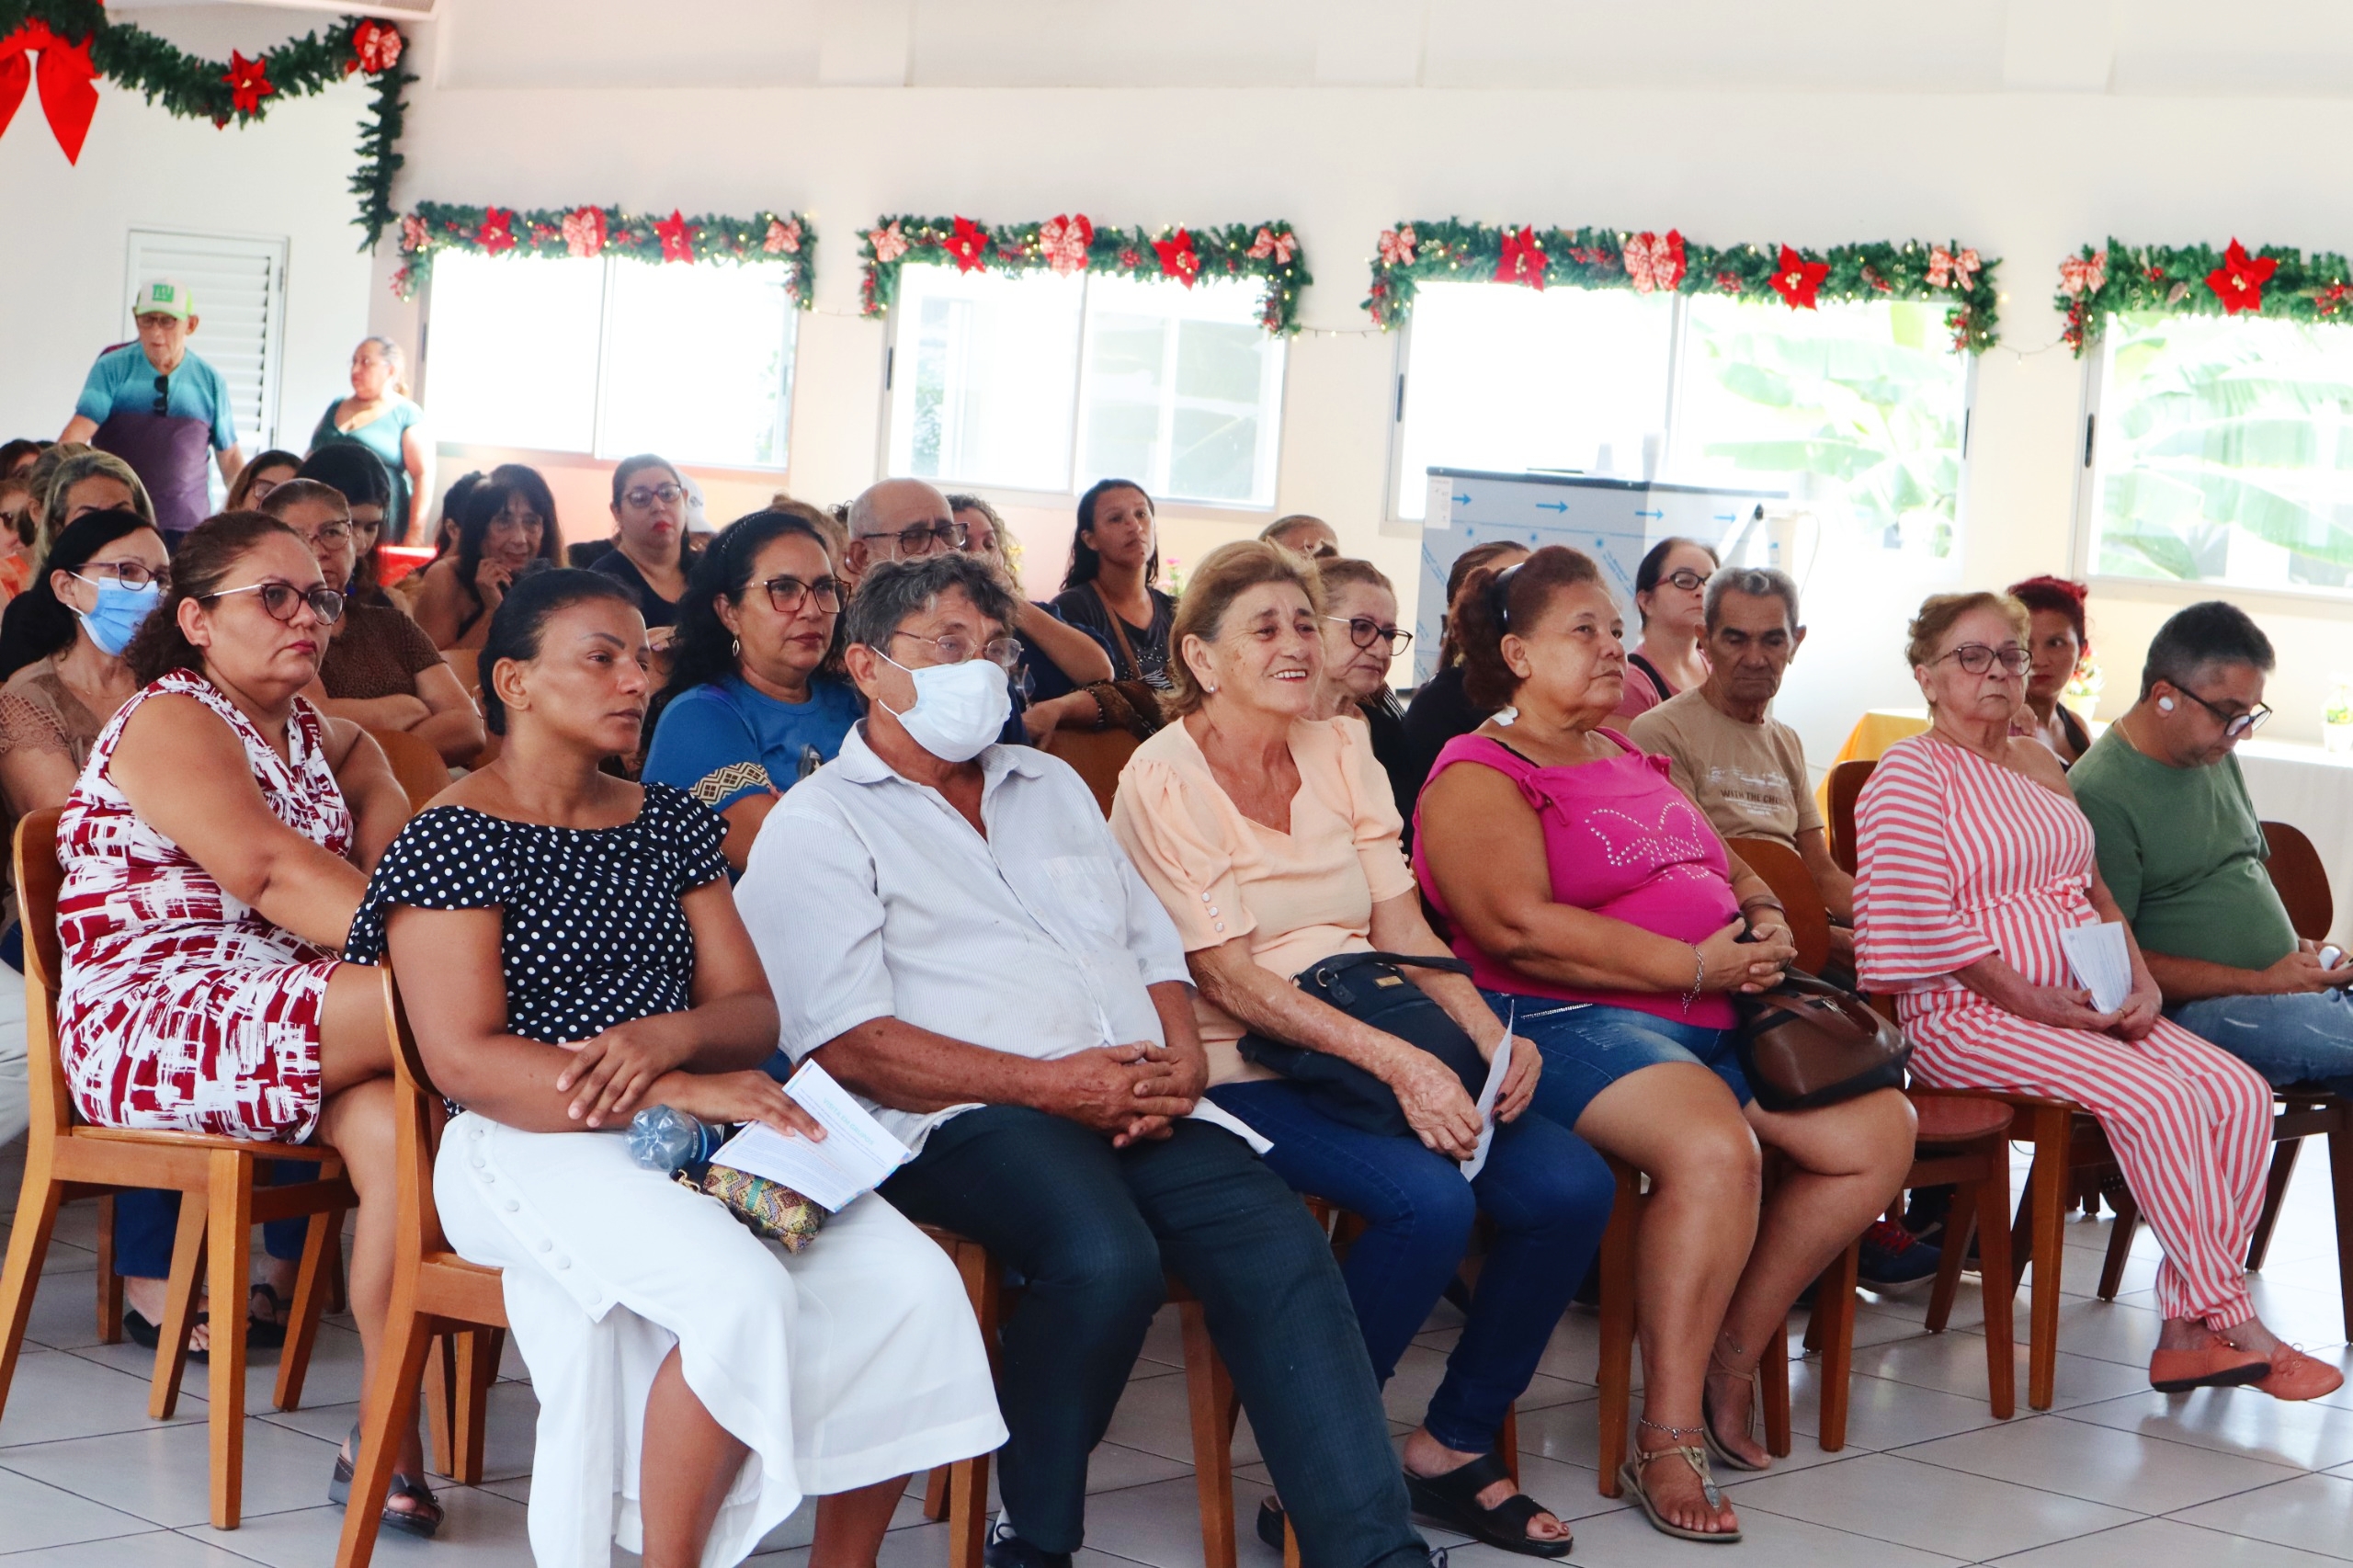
(416, 765)
(1784, 871)
(1098, 755)
(2301, 880)
(414, 1097)
(1847, 782)
(39, 878)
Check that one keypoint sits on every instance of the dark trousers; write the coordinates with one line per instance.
(145, 1221)
(1092, 1229)
(1544, 1187)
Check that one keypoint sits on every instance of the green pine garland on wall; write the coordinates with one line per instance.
(1452, 251)
(2278, 281)
(1072, 242)
(239, 89)
(581, 232)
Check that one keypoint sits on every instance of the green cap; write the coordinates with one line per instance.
(163, 297)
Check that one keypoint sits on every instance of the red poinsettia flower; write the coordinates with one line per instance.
(1523, 259)
(672, 233)
(969, 245)
(1797, 280)
(1177, 258)
(497, 232)
(249, 82)
(2239, 281)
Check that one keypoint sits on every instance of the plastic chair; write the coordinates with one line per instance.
(67, 1158)
(418, 767)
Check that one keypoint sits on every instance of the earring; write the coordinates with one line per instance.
(735, 647)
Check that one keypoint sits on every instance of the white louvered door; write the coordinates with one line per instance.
(239, 288)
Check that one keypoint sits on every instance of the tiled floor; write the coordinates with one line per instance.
(2115, 1475)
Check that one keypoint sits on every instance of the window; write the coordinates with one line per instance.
(1857, 411)
(613, 356)
(1035, 382)
(239, 287)
(2224, 452)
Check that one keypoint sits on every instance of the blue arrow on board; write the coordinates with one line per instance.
(1727, 517)
(1642, 514)
(1461, 500)
(1552, 506)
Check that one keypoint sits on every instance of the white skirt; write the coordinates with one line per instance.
(857, 1361)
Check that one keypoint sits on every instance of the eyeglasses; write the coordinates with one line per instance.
(281, 599)
(330, 533)
(786, 595)
(1365, 632)
(954, 649)
(924, 540)
(644, 496)
(130, 574)
(163, 393)
(1688, 580)
(1977, 658)
(2234, 725)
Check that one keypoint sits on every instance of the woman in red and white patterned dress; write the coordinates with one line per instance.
(1973, 859)
(214, 852)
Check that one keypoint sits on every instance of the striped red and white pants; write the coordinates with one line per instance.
(2190, 1125)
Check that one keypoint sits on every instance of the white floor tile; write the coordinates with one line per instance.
(164, 1474)
(160, 1550)
(35, 1514)
(2314, 1512)
(2164, 1543)
(1159, 1525)
(1901, 1500)
(1883, 1414)
(57, 1396)
(1955, 1363)
(2077, 1459)
(2307, 1435)
(478, 1531)
(1625, 1539)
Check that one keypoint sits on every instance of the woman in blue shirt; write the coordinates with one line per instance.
(756, 699)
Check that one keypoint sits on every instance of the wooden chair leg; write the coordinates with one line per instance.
(1209, 1395)
(310, 1301)
(1960, 1224)
(968, 1511)
(338, 1287)
(29, 1237)
(440, 1405)
(229, 1246)
(1773, 1392)
(1508, 1442)
(1290, 1544)
(2340, 1183)
(1834, 1309)
(2119, 1246)
(2047, 1194)
(180, 1292)
(474, 1369)
(935, 1494)
(109, 1283)
(1616, 1374)
(2275, 1193)
(391, 1410)
(1994, 1265)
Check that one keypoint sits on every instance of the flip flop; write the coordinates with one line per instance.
(1452, 1500)
(1630, 1476)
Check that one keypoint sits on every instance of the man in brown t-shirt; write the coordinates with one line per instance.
(1744, 768)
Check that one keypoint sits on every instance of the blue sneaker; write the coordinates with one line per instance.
(1893, 1260)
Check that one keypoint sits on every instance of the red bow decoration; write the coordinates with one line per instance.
(1523, 259)
(1397, 246)
(249, 82)
(2084, 274)
(672, 233)
(1177, 258)
(583, 231)
(1797, 280)
(1655, 264)
(412, 233)
(969, 245)
(375, 47)
(1066, 240)
(2239, 281)
(1946, 269)
(69, 91)
(889, 243)
(1270, 243)
(782, 237)
(496, 234)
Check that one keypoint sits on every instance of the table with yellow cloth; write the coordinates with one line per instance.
(1877, 729)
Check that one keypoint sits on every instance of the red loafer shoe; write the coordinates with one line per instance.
(2295, 1375)
(2214, 1366)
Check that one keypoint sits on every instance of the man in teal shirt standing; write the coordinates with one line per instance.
(2182, 851)
(161, 409)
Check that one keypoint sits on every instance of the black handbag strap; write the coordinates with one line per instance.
(1345, 961)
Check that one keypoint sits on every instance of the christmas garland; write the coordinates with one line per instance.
(1958, 278)
(1072, 242)
(77, 43)
(580, 232)
(2276, 281)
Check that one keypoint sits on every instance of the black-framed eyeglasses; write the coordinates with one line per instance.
(786, 595)
(2234, 725)
(281, 599)
(644, 496)
(162, 393)
(1977, 658)
(1364, 632)
(955, 649)
(130, 574)
(923, 540)
(1688, 580)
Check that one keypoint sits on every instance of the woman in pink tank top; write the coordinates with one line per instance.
(1593, 899)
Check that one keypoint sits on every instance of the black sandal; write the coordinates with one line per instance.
(266, 1332)
(421, 1519)
(1452, 1500)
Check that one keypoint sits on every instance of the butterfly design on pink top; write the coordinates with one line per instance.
(1676, 838)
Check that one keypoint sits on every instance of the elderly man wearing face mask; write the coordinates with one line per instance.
(993, 980)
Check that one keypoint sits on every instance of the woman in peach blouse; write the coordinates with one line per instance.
(1273, 841)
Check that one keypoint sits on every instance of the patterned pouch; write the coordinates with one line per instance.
(771, 1208)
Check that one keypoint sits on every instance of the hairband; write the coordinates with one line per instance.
(1499, 595)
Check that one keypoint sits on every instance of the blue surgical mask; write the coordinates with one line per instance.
(119, 613)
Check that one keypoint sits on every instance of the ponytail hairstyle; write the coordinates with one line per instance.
(1085, 565)
(1449, 647)
(394, 355)
(702, 651)
(521, 619)
(1513, 599)
(205, 559)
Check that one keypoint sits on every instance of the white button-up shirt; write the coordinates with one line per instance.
(869, 896)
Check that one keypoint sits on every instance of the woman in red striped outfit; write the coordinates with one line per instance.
(1973, 859)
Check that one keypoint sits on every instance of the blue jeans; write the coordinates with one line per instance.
(1589, 1046)
(1544, 1187)
(2303, 1039)
(146, 1218)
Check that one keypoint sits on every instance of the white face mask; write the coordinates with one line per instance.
(959, 708)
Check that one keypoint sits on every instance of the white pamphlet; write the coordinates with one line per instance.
(1216, 1115)
(1499, 1066)
(857, 1153)
(2102, 962)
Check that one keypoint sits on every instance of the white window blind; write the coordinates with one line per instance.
(239, 288)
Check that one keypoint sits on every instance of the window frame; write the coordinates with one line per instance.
(886, 433)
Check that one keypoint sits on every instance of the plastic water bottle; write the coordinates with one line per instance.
(666, 1139)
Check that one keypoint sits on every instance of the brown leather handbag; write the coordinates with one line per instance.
(1806, 1044)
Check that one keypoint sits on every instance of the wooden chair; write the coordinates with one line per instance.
(220, 1201)
(2300, 880)
(415, 764)
(1098, 755)
(434, 1291)
(466, 665)
(1784, 871)
(1847, 782)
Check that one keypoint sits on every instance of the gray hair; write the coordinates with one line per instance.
(893, 592)
(1758, 583)
(2201, 637)
(87, 464)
